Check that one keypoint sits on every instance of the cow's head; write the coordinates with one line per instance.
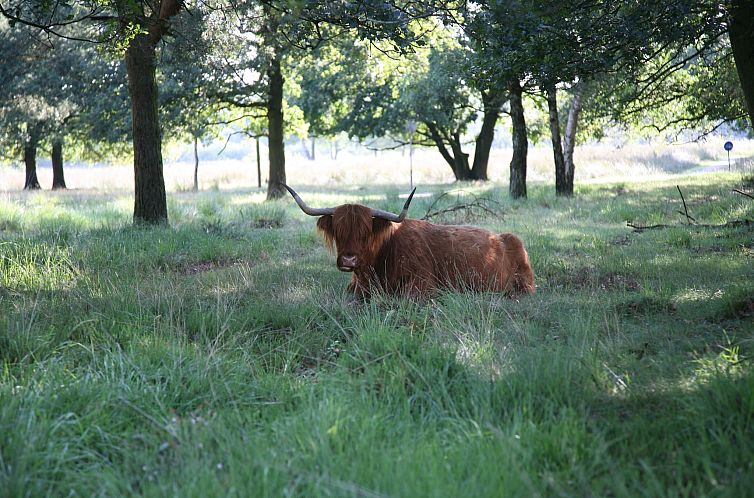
(357, 231)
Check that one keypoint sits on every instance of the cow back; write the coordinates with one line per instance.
(421, 256)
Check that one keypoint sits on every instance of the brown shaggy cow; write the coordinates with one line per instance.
(388, 252)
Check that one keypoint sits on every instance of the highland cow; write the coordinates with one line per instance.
(394, 254)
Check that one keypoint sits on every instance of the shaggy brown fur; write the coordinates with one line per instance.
(417, 257)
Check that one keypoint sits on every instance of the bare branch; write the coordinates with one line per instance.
(685, 209)
(476, 208)
(731, 224)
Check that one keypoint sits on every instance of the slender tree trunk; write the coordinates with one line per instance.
(58, 179)
(259, 165)
(275, 122)
(742, 43)
(30, 158)
(561, 181)
(569, 139)
(314, 141)
(196, 164)
(150, 204)
(492, 104)
(520, 142)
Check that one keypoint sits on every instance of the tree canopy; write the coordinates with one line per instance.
(436, 74)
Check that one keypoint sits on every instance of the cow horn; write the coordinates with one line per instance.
(378, 213)
(308, 210)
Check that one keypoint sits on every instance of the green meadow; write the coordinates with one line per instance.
(222, 356)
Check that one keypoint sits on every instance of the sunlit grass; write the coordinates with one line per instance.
(34, 267)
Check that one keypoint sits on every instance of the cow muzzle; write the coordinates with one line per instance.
(347, 263)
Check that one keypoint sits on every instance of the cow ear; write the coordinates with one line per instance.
(324, 225)
(379, 225)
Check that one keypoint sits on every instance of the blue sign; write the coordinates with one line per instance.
(728, 146)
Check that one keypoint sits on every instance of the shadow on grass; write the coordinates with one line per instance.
(691, 439)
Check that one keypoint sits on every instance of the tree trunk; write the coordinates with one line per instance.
(196, 164)
(742, 42)
(520, 142)
(314, 141)
(150, 204)
(259, 165)
(462, 170)
(58, 179)
(561, 181)
(492, 104)
(275, 122)
(30, 158)
(569, 139)
(460, 158)
(440, 144)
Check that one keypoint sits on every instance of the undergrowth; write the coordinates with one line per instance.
(222, 356)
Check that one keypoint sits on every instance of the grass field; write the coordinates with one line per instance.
(222, 356)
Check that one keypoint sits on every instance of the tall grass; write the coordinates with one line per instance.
(222, 356)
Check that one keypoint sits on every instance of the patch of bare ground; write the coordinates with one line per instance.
(588, 277)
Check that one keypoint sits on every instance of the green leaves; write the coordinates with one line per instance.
(122, 34)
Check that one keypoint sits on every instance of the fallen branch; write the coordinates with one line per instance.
(730, 224)
(685, 209)
(434, 203)
(459, 207)
(478, 204)
(688, 217)
(476, 207)
(640, 228)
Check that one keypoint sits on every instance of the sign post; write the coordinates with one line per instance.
(728, 147)
(411, 128)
